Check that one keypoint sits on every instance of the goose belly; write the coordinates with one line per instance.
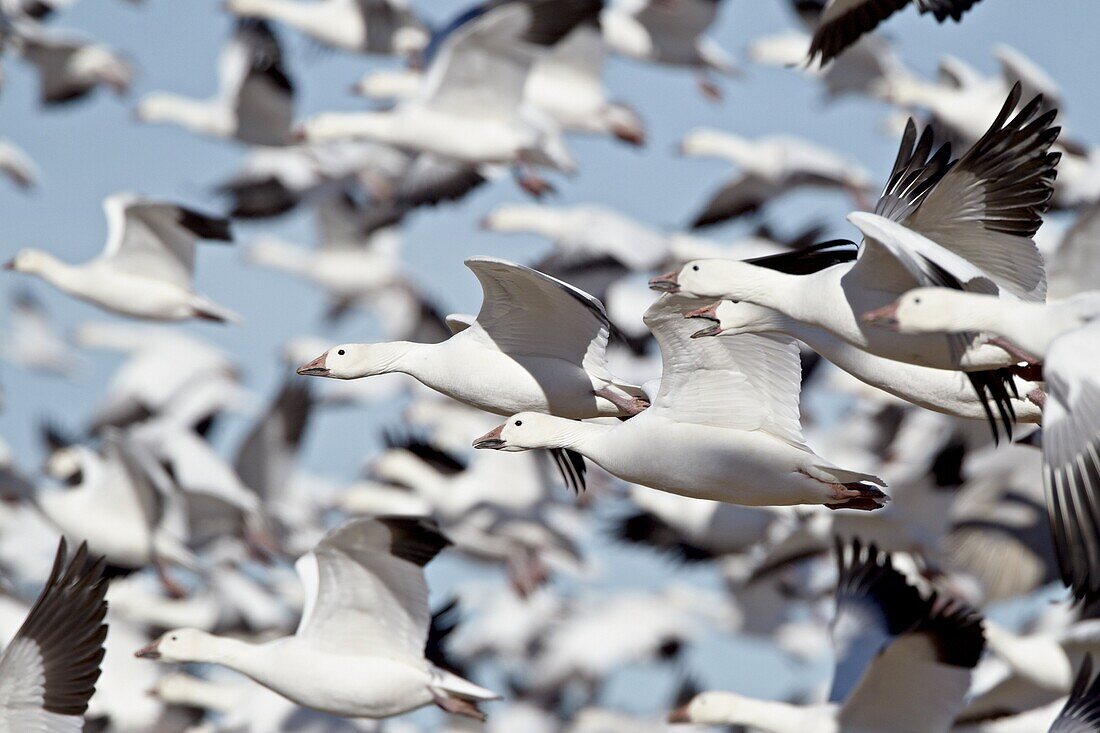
(732, 466)
(136, 296)
(348, 686)
(468, 139)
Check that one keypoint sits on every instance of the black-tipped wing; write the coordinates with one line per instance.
(49, 670)
(440, 460)
(1082, 711)
(265, 457)
(741, 196)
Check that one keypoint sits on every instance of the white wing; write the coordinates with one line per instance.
(365, 588)
(526, 313)
(156, 239)
(744, 382)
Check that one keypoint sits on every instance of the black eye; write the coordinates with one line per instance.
(518, 423)
(695, 267)
(916, 300)
(340, 352)
(175, 638)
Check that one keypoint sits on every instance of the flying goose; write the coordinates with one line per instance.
(965, 224)
(359, 649)
(255, 102)
(17, 166)
(724, 425)
(48, 672)
(903, 662)
(146, 267)
(537, 344)
(69, 67)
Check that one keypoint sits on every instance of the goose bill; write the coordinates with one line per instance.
(679, 715)
(148, 652)
(709, 313)
(9, 265)
(667, 283)
(315, 368)
(491, 440)
(884, 317)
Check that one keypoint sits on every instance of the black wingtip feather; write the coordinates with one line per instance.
(205, 226)
(415, 539)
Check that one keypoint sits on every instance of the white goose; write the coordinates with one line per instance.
(359, 26)
(69, 66)
(966, 225)
(359, 649)
(723, 426)
(17, 165)
(537, 344)
(48, 672)
(903, 662)
(770, 166)
(255, 102)
(942, 390)
(470, 108)
(147, 266)
(651, 30)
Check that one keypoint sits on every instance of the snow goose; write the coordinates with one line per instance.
(925, 232)
(17, 165)
(585, 231)
(69, 67)
(470, 108)
(842, 22)
(942, 390)
(49, 670)
(32, 340)
(903, 662)
(770, 166)
(650, 30)
(359, 649)
(255, 103)
(505, 362)
(146, 268)
(359, 26)
(723, 426)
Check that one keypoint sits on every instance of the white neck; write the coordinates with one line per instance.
(582, 437)
(770, 716)
(335, 22)
(383, 127)
(707, 143)
(232, 653)
(535, 219)
(405, 357)
(281, 256)
(197, 115)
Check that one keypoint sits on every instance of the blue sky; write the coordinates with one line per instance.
(92, 149)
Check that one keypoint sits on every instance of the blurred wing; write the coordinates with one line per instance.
(1081, 713)
(685, 19)
(1018, 68)
(743, 382)
(743, 195)
(365, 588)
(1076, 264)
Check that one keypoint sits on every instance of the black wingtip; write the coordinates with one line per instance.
(572, 468)
(415, 539)
(205, 226)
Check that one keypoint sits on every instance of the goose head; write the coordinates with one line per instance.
(921, 310)
(524, 431)
(32, 262)
(351, 361)
(708, 708)
(624, 122)
(727, 317)
(706, 278)
(178, 645)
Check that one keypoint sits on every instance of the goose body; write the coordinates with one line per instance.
(723, 426)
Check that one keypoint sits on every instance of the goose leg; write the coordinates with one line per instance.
(527, 572)
(629, 405)
(710, 88)
(456, 706)
(858, 496)
(171, 585)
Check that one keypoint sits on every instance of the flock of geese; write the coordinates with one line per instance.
(944, 467)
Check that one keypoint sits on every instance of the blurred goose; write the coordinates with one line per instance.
(988, 251)
(943, 390)
(32, 340)
(724, 425)
(70, 67)
(255, 102)
(359, 26)
(359, 649)
(48, 672)
(17, 165)
(842, 22)
(903, 662)
(147, 266)
(476, 117)
(537, 344)
(1074, 265)
(651, 30)
(770, 166)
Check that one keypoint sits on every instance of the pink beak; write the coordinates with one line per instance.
(491, 440)
(711, 314)
(632, 135)
(299, 134)
(9, 265)
(315, 368)
(884, 317)
(679, 715)
(668, 283)
(148, 652)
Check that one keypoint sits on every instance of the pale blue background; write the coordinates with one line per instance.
(94, 148)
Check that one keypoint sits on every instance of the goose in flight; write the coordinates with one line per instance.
(966, 224)
(358, 26)
(146, 268)
(17, 166)
(537, 344)
(903, 662)
(470, 107)
(69, 66)
(359, 648)
(842, 22)
(669, 33)
(48, 672)
(255, 102)
(724, 425)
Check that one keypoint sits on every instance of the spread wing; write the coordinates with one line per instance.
(49, 670)
(365, 588)
(256, 85)
(843, 22)
(156, 239)
(743, 382)
(524, 312)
